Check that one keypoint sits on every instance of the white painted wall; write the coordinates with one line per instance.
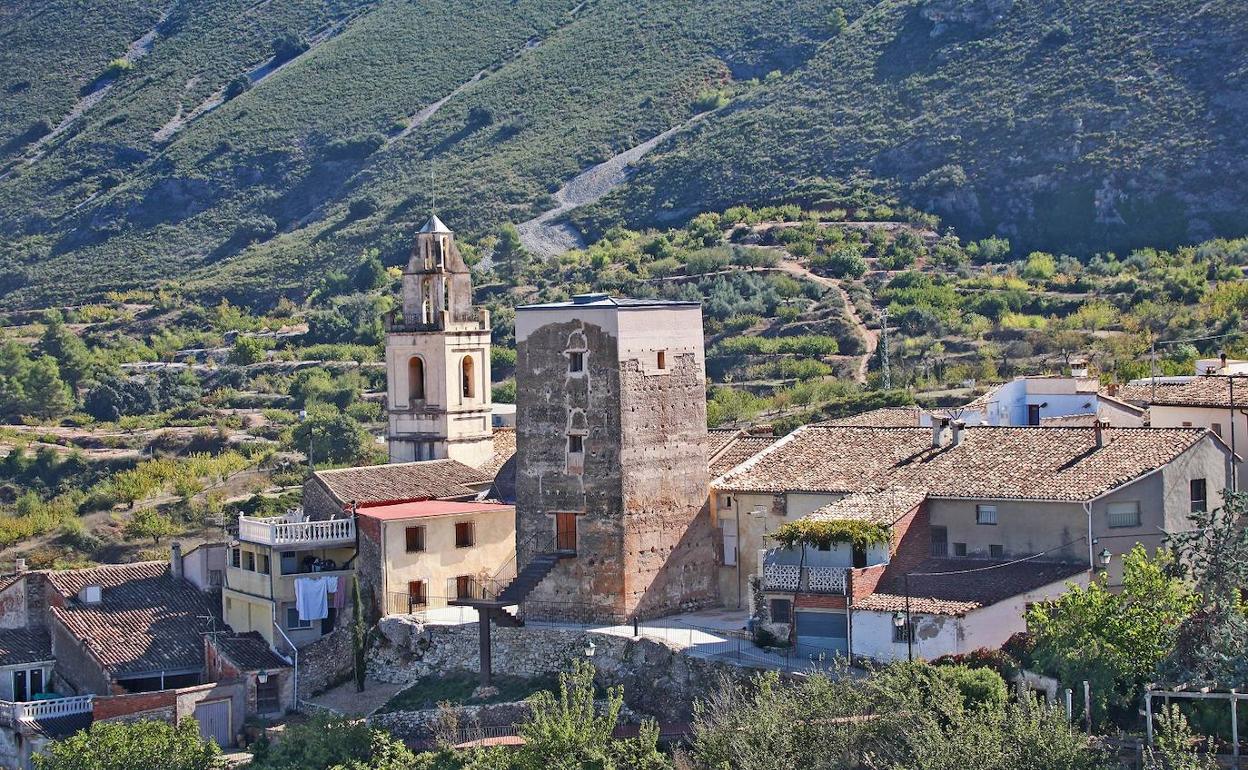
(935, 635)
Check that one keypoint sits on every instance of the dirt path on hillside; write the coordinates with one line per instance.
(870, 339)
(545, 238)
(255, 76)
(424, 114)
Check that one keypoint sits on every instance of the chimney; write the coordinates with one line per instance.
(1112, 389)
(958, 427)
(19, 565)
(938, 430)
(175, 560)
(1098, 430)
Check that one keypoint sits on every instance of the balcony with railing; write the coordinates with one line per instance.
(26, 712)
(791, 578)
(281, 531)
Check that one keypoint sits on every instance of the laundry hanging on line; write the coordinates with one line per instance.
(312, 597)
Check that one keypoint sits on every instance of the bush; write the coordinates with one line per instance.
(979, 686)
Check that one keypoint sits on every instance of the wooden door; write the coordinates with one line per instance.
(565, 532)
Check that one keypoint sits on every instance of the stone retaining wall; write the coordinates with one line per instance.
(658, 679)
(325, 663)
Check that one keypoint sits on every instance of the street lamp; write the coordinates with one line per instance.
(1104, 556)
(590, 648)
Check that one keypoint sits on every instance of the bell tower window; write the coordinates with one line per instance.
(415, 379)
(469, 378)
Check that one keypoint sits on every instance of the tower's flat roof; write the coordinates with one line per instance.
(599, 300)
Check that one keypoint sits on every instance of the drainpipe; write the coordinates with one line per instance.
(1087, 508)
(294, 651)
(737, 555)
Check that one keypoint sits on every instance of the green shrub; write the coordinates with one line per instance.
(980, 687)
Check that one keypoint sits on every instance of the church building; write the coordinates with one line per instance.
(438, 359)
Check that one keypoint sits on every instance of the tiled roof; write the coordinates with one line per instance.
(880, 506)
(1031, 463)
(24, 645)
(979, 583)
(250, 652)
(741, 447)
(419, 509)
(1069, 421)
(884, 417)
(718, 438)
(423, 480)
(9, 580)
(504, 448)
(1199, 391)
(146, 621)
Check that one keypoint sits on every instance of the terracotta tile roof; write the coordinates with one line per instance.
(419, 509)
(1069, 421)
(423, 480)
(718, 438)
(250, 652)
(504, 448)
(990, 462)
(741, 448)
(878, 506)
(884, 417)
(988, 583)
(9, 580)
(1212, 392)
(146, 621)
(24, 645)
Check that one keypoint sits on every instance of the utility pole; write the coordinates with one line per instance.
(888, 379)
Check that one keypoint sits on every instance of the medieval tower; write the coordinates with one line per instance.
(611, 473)
(438, 358)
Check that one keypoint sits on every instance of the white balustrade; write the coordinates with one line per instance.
(33, 711)
(819, 580)
(781, 577)
(825, 580)
(278, 531)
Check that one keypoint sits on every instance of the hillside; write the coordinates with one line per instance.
(244, 148)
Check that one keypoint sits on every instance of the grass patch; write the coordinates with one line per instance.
(456, 689)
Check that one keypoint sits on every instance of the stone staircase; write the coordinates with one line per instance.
(516, 590)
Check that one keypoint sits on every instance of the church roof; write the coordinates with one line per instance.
(435, 225)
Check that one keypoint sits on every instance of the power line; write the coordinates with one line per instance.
(999, 566)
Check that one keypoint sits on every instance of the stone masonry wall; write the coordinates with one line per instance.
(669, 541)
(657, 678)
(326, 662)
(548, 399)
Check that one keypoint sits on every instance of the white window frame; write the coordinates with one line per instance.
(985, 514)
(1115, 519)
(299, 625)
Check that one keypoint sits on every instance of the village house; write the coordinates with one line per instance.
(421, 554)
(289, 577)
(1214, 401)
(126, 641)
(986, 495)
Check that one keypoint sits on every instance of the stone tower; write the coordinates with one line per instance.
(611, 458)
(438, 358)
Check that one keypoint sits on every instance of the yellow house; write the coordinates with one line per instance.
(417, 555)
(276, 557)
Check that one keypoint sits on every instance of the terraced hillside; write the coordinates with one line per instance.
(245, 148)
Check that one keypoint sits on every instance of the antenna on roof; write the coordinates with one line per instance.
(433, 189)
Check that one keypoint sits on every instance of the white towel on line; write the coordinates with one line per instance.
(312, 597)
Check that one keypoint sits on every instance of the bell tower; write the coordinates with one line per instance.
(438, 358)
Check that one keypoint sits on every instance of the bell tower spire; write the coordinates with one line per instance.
(438, 358)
